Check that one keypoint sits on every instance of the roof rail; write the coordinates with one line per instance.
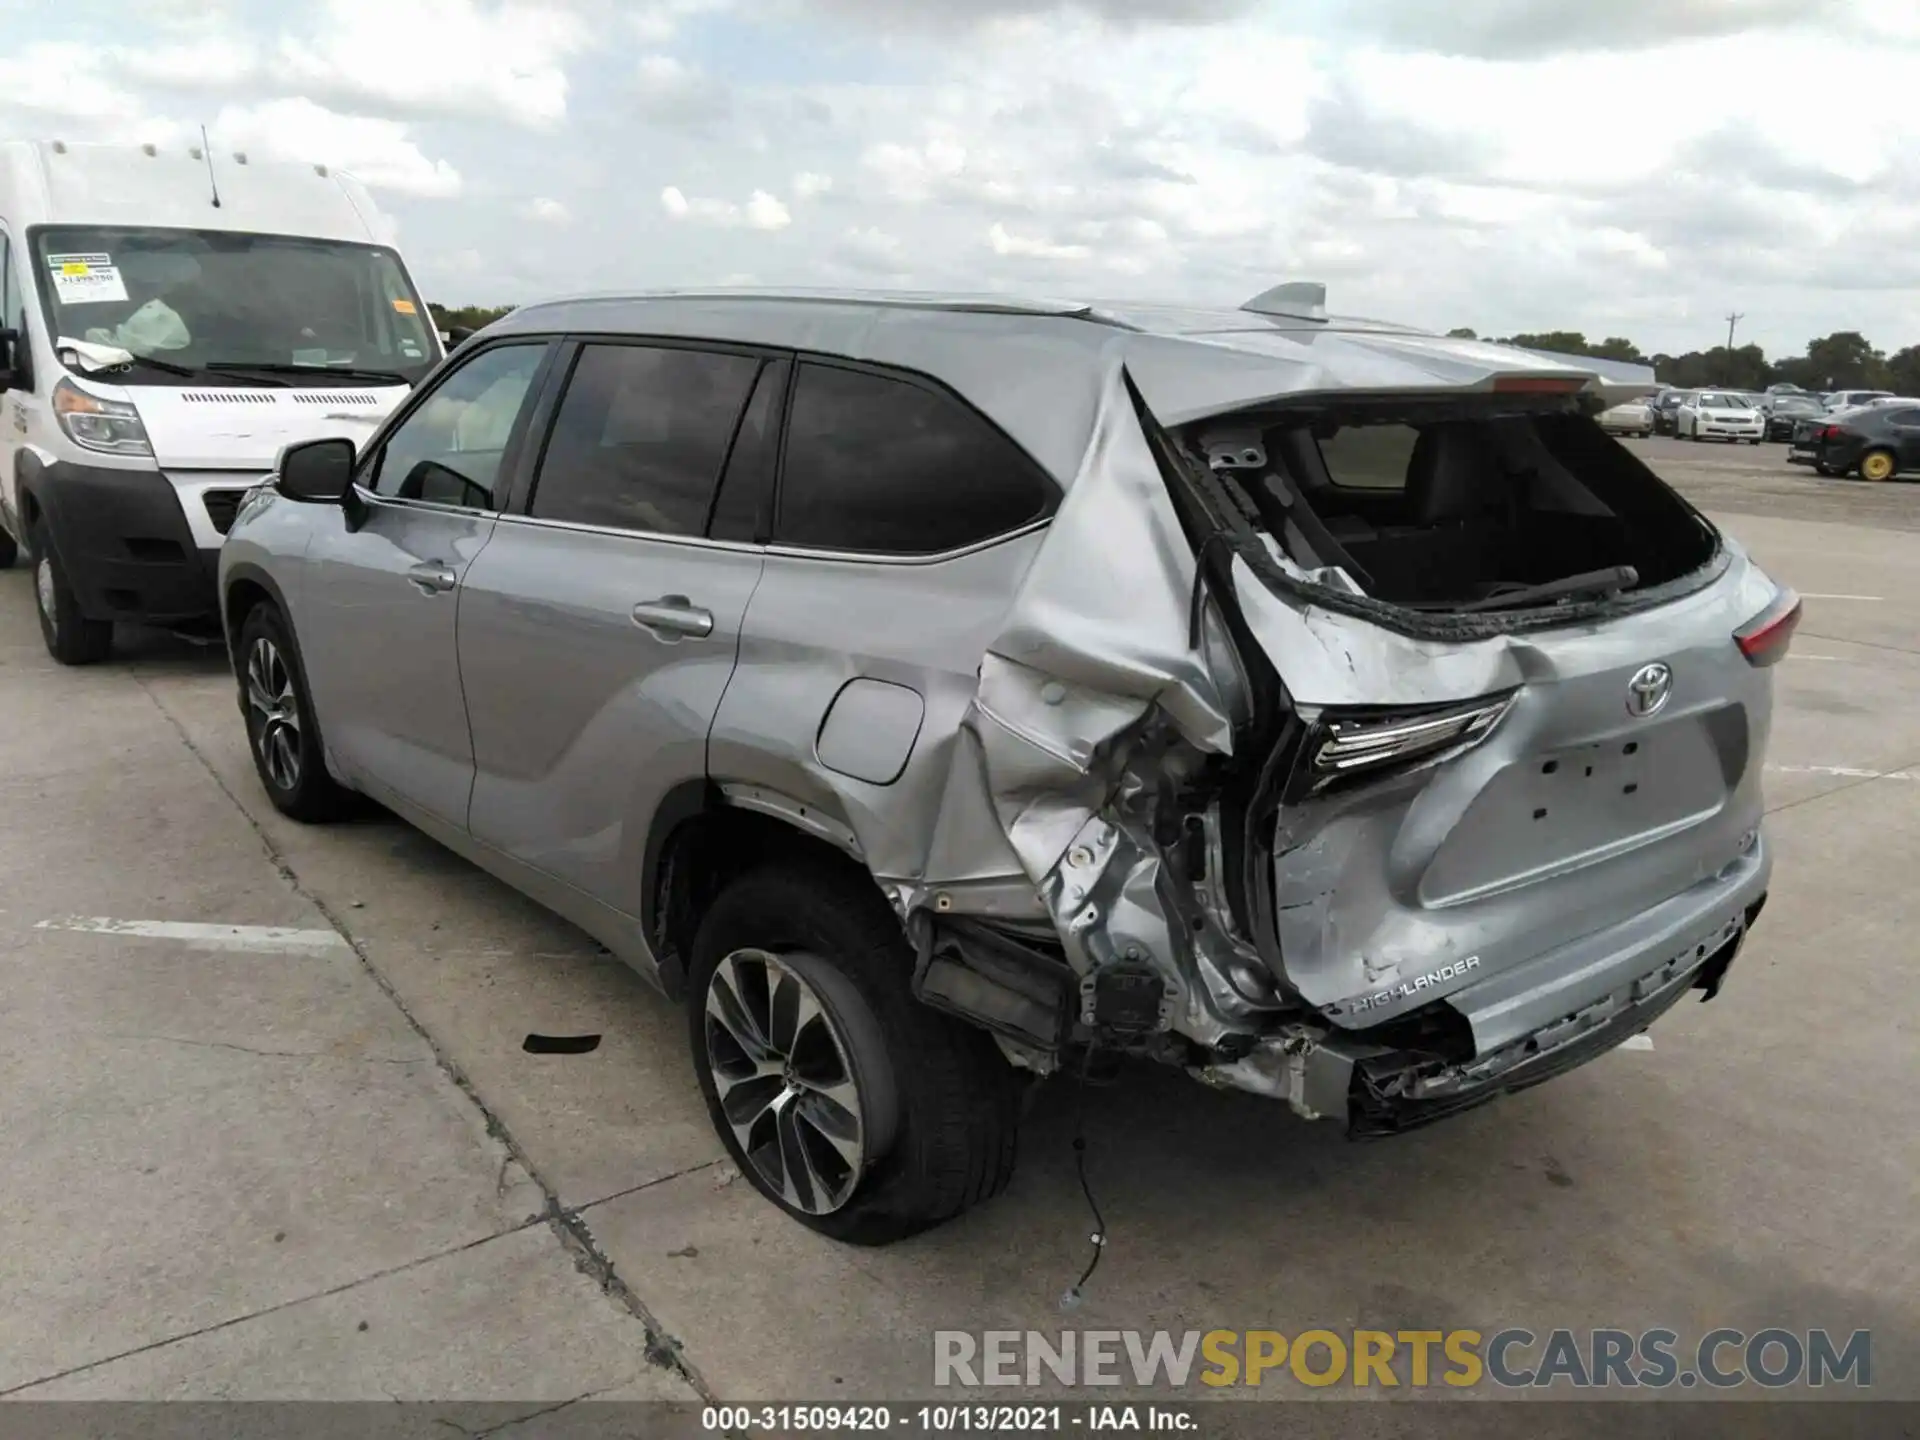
(1296, 300)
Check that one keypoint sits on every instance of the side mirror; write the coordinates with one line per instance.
(458, 335)
(10, 348)
(318, 472)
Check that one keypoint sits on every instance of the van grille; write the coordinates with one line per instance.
(274, 397)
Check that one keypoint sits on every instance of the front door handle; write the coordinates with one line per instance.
(432, 577)
(672, 616)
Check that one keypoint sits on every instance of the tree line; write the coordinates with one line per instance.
(1844, 360)
(472, 317)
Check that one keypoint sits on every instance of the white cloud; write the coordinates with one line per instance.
(668, 91)
(1029, 247)
(655, 22)
(379, 152)
(766, 213)
(547, 210)
(808, 185)
(761, 212)
(438, 57)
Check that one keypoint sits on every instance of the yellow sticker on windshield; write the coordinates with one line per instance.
(405, 307)
(73, 268)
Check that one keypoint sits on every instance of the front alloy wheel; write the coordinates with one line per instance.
(276, 713)
(282, 730)
(784, 1080)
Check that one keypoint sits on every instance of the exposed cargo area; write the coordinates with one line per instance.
(1459, 506)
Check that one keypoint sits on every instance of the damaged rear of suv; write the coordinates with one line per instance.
(936, 693)
(1447, 777)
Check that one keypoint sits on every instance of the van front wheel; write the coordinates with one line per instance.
(71, 637)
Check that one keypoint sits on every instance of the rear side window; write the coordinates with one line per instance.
(640, 437)
(883, 466)
(1905, 417)
(1369, 457)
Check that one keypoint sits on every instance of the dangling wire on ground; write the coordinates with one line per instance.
(1076, 1292)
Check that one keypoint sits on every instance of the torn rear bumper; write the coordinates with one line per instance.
(1520, 1033)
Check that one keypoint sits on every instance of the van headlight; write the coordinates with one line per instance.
(110, 426)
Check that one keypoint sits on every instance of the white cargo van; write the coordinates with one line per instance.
(170, 319)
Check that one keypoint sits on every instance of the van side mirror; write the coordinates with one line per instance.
(317, 472)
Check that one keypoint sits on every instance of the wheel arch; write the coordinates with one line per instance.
(242, 587)
(704, 835)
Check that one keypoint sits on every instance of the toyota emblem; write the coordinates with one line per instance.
(1649, 689)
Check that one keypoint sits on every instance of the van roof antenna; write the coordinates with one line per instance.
(206, 153)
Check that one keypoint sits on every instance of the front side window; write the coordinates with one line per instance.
(449, 449)
(885, 467)
(221, 304)
(640, 437)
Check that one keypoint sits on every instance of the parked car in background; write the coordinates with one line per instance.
(1630, 417)
(1719, 415)
(1847, 399)
(1666, 405)
(1786, 408)
(1510, 692)
(1876, 442)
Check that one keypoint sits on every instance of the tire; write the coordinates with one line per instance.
(936, 1104)
(1820, 468)
(282, 733)
(1878, 465)
(71, 637)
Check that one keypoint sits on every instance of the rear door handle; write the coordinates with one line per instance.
(432, 577)
(672, 616)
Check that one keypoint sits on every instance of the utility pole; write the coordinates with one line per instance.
(1732, 320)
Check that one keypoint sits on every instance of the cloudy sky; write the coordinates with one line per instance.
(1636, 167)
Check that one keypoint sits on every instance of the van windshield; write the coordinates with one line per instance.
(212, 303)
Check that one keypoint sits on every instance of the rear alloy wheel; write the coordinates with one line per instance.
(287, 754)
(1878, 465)
(71, 637)
(842, 1098)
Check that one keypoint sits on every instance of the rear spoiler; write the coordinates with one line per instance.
(1620, 380)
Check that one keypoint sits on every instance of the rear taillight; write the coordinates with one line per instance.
(1764, 639)
(1830, 432)
(1371, 742)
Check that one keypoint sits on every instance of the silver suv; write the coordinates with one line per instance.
(935, 693)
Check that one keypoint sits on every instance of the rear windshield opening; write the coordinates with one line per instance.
(1459, 511)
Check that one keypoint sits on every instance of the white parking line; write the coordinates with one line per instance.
(205, 937)
(1845, 772)
(1836, 659)
(1865, 599)
(1637, 1042)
